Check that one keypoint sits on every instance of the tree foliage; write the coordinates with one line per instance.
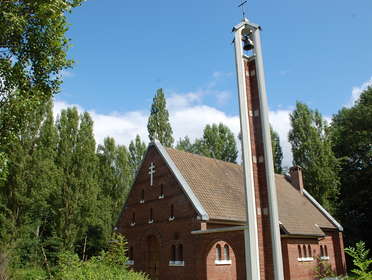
(277, 151)
(312, 150)
(352, 144)
(218, 142)
(137, 150)
(33, 49)
(362, 262)
(158, 125)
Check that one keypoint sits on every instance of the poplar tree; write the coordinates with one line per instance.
(78, 190)
(137, 149)
(114, 176)
(158, 125)
(352, 144)
(277, 151)
(312, 150)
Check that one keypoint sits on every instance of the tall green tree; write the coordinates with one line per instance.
(219, 142)
(114, 176)
(137, 149)
(352, 144)
(277, 151)
(33, 54)
(77, 194)
(158, 125)
(312, 150)
(26, 193)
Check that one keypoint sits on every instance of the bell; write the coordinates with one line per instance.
(248, 44)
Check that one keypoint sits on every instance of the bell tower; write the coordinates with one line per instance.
(263, 254)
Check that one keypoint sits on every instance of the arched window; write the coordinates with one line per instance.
(304, 251)
(218, 252)
(226, 253)
(133, 218)
(161, 191)
(299, 251)
(309, 250)
(321, 251)
(151, 214)
(180, 252)
(130, 255)
(172, 211)
(173, 253)
(326, 250)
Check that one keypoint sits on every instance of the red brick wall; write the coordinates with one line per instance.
(167, 232)
(259, 172)
(221, 271)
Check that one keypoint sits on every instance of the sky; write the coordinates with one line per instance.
(317, 52)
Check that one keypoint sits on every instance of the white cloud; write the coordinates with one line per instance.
(187, 116)
(280, 122)
(357, 90)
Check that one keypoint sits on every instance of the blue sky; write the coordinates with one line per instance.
(314, 51)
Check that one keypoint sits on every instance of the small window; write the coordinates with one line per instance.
(326, 250)
(151, 215)
(180, 252)
(218, 252)
(299, 251)
(304, 251)
(309, 250)
(321, 251)
(130, 255)
(142, 196)
(226, 252)
(173, 253)
(133, 218)
(161, 191)
(172, 211)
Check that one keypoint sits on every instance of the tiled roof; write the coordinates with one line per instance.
(218, 185)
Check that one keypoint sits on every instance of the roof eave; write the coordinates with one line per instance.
(324, 212)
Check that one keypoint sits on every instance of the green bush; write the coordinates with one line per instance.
(29, 273)
(361, 262)
(109, 265)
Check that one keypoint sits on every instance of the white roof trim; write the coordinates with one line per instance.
(190, 194)
(325, 212)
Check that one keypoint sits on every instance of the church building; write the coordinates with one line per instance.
(184, 219)
(189, 217)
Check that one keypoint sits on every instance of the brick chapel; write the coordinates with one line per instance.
(189, 217)
(184, 218)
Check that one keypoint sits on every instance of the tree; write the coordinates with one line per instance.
(277, 151)
(158, 125)
(114, 177)
(186, 145)
(219, 142)
(312, 150)
(33, 49)
(352, 138)
(137, 150)
(77, 194)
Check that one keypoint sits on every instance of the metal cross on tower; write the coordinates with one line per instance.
(242, 6)
(151, 173)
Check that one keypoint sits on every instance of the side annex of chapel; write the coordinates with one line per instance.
(184, 219)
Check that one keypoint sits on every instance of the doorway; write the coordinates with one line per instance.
(153, 258)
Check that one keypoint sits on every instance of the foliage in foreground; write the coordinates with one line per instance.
(361, 261)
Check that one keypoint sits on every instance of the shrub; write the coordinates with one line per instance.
(109, 265)
(361, 261)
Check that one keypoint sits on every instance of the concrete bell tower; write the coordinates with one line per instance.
(263, 254)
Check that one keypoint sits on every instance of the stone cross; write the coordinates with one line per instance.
(151, 173)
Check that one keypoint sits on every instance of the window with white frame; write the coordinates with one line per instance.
(176, 256)
(304, 253)
(324, 252)
(226, 255)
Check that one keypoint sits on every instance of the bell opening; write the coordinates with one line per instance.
(247, 43)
